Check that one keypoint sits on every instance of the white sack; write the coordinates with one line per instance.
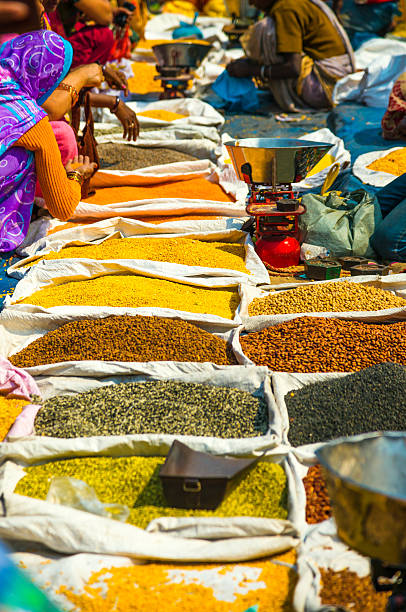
(197, 112)
(373, 177)
(70, 531)
(161, 26)
(257, 271)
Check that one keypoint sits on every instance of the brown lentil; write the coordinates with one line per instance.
(318, 507)
(115, 156)
(371, 400)
(124, 338)
(156, 586)
(134, 481)
(347, 589)
(166, 407)
(341, 296)
(175, 250)
(135, 291)
(317, 344)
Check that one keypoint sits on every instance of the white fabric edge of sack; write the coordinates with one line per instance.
(321, 547)
(196, 111)
(71, 531)
(373, 177)
(19, 327)
(158, 207)
(251, 379)
(168, 172)
(396, 283)
(172, 131)
(338, 151)
(254, 265)
(53, 273)
(38, 237)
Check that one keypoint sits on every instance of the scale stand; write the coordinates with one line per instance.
(174, 81)
(390, 578)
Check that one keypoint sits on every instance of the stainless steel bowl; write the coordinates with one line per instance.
(181, 54)
(366, 480)
(276, 160)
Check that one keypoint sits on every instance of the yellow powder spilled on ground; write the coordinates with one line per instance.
(148, 587)
(192, 189)
(393, 163)
(9, 411)
(183, 251)
(163, 115)
(137, 292)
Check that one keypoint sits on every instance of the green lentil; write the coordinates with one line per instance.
(154, 407)
(134, 481)
(136, 291)
(328, 297)
(125, 338)
(371, 400)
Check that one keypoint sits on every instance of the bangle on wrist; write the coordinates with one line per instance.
(74, 175)
(115, 107)
(72, 90)
(262, 72)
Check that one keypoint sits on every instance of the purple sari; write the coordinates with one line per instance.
(31, 67)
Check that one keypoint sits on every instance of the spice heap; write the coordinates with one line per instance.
(117, 156)
(181, 588)
(143, 82)
(192, 189)
(124, 338)
(341, 296)
(134, 481)
(154, 407)
(9, 411)
(163, 115)
(316, 344)
(175, 250)
(392, 163)
(347, 589)
(318, 507)
(371, 400)
(136, 291)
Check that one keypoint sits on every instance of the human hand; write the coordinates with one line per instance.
(129, 121)
(82, 165)
(121, 16)
(94, 75)
(115, 79)
(243, 68)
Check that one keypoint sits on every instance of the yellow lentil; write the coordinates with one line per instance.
(177, 588)
(134, 481)
(138, 291)
(9, 411)
(163, 115)
(175, 250)
(393, 163)
(327, 297)
(143, 80)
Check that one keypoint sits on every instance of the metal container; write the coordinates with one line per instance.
(181, 54)
(322, 269)
(275, 161)
(366, 480)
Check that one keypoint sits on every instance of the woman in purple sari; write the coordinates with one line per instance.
(32, 66)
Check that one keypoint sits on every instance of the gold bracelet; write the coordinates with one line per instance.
(74, 175)
(72, 90)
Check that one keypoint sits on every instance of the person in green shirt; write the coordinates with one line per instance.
(300, 50)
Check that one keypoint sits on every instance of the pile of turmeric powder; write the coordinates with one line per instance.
(393, 163)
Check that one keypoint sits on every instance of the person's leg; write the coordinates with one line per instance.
(91, 44)
(389, 240)
(390, 196)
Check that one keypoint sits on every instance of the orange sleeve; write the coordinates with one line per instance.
(61, 195)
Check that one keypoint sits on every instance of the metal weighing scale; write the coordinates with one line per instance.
(366, 481)
(269, 166)
(175, 60)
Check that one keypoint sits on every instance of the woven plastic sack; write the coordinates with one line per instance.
(343, 225)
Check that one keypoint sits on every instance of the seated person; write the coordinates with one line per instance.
(394, 120)
(299, 50)
(28, 149)
(363, 20)
(389, 239)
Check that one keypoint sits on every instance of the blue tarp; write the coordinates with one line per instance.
(7, 283)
